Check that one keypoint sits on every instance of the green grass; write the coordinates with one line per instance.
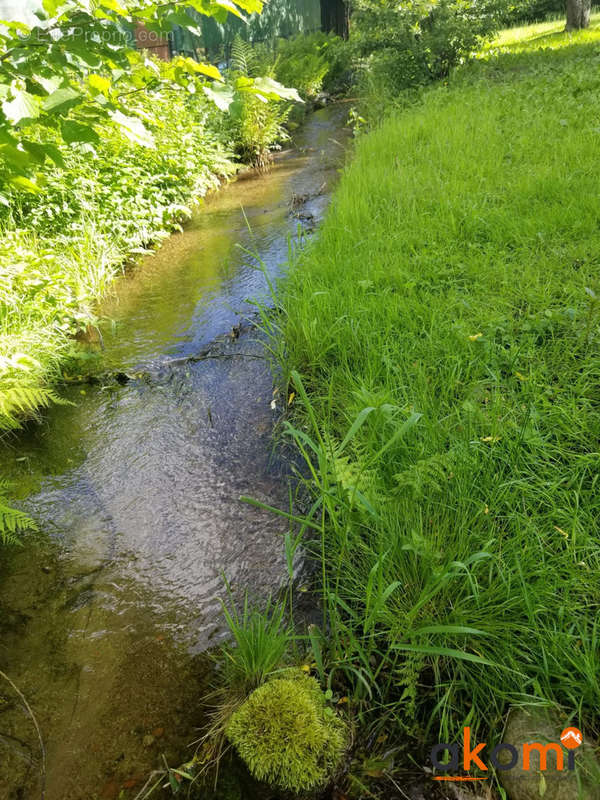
(549, 34)
(445, 332)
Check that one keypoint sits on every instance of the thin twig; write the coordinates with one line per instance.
(37, 728)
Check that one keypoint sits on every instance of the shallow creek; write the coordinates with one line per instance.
(105, 616)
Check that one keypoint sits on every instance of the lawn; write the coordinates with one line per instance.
(441, 336)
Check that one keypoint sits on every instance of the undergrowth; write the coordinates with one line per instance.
(441, 338)
(63, 246)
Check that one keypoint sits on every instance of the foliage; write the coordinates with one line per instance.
(400, 47)
(312, 63)
(64, 244)
(12, 521)
(442, 338)
(532, 10)
(261, 643)
(287, 735)
(46, 68)
(257, 117)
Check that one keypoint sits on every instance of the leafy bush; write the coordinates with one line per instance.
(256, 123)
(531, 10)
(312, 63)
(403, 46)
(288, 736)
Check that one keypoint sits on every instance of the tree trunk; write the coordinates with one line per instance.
(578, 14)
(335, 17)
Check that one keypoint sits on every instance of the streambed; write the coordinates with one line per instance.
(107, 614)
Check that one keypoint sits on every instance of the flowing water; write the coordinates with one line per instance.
(106, 613)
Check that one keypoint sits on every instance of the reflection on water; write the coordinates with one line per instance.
(105, 616)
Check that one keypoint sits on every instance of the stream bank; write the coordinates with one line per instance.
(106, 615)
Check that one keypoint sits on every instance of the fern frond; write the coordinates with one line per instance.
(12, 522)
(19, 402)
(242, 56)
(427, 475)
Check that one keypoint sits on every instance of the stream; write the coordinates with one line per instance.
(107, 613)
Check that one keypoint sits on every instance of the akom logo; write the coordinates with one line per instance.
(570, 738)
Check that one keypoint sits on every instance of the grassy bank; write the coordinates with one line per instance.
(442, 340)
(63, 245)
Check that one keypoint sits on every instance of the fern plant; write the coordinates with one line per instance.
(243, 58)
(12, 521)
(23, 402)
(258, 122)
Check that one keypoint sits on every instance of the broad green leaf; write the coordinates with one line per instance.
(250, 6)
(61, 99)
(112, 5)
(204, 69)
(231, 7)
(99, 83)
(52, 6)
(55, 155)
(36, 151)
(25, 184)
(274, 90)
(220, 94)
(18, 159)
(133, 128)
(22, 106)
(77, 132)
(48, 84)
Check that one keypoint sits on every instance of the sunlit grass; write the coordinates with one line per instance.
(544, 34)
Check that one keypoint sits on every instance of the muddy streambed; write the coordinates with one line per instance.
(107, 612)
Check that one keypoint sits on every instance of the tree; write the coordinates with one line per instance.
(578, 14)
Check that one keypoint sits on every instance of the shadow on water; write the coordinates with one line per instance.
(105, 616)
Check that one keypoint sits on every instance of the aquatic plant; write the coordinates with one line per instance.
(287, 734)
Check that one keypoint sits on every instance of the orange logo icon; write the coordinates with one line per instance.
(571, 738)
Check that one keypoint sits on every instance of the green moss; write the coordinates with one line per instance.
(287, 735)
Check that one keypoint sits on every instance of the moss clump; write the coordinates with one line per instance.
(287, 736)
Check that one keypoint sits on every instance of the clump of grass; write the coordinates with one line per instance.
(260, 647)
(442, 337)
(261, 642)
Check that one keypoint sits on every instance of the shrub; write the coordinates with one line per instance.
(312, 63)
(63, 245)
(532, 10)
(256, 124)
(408, 45)
(288, 736)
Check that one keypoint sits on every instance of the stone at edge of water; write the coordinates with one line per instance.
(543, 726)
